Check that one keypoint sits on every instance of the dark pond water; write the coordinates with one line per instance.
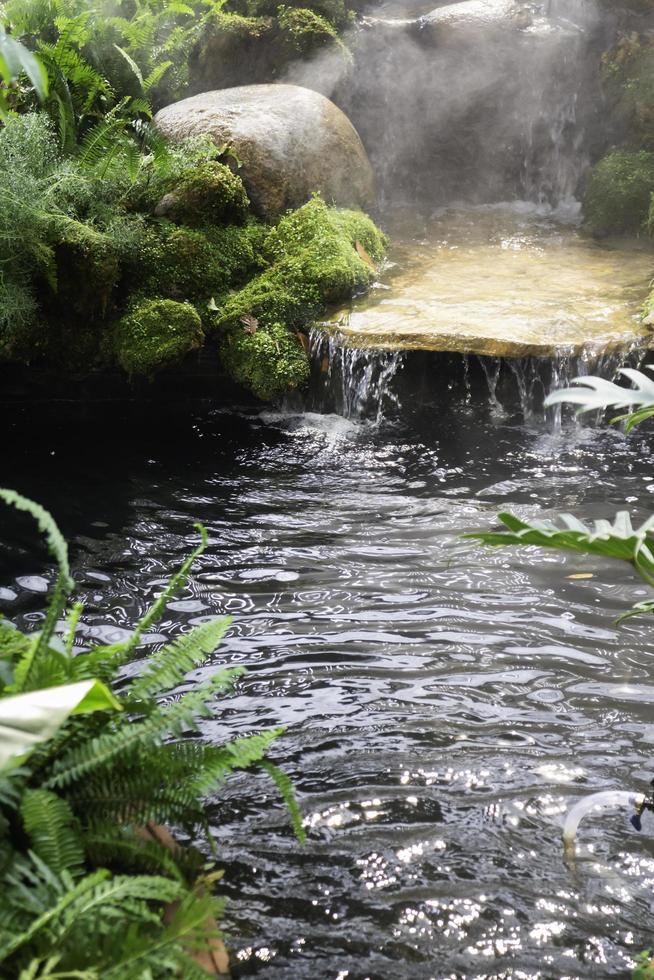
(444, 704)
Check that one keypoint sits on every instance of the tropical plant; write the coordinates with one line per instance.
(594, 393)
(618, 539)
(94, 765)
(16, 60)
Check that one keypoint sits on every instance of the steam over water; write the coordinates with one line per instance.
(478, 107)
(444, 704)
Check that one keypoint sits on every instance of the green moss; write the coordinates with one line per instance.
(618, 194)
(156, 334)
(305, 29)
(628, 78)
(313, 261)
(268, 362)
(87, 270)
(205, 193)
(194, 264)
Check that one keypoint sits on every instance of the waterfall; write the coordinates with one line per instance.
(353, 382)
(481, 113)
(526, 381)
(360, 383)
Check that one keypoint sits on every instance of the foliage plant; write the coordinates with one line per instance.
(617, 539)
(93, 765)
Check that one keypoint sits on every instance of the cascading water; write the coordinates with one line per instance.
(355, 383)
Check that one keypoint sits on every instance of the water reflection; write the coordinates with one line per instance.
(443, 704)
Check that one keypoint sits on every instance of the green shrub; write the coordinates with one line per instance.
(617, 197)
(93, 766)
(156, 334)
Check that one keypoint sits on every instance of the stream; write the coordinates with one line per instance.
(444, 704)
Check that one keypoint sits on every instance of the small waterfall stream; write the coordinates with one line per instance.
(359, 383)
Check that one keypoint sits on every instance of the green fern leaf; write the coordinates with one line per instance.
(167, 668)
(170, 719)
(50, 824)
(285, 787)
(174, 585)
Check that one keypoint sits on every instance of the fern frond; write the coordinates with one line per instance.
(46, 523)
(68, 896)
(167, 668)
(286, 791)
(72, 621)
(156, 75)
(64, 583)
(99, 141)
(190, 924)
(216, 763)
(177, 581)
(170, 719)
(50, 824)
(114, 846)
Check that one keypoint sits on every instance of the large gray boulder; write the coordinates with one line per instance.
(291, 141)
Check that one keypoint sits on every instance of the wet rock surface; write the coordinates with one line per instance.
(292, 142)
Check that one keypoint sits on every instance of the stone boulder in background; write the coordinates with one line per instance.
(291, 141)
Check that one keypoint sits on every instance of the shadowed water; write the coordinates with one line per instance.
(444, 704)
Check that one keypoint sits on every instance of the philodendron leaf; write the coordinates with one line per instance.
(15, 59)
(594, 393)
(617, 540)
(29, 719)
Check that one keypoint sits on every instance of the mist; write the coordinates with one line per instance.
(481, 101)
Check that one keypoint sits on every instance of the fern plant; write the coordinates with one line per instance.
(94, 766)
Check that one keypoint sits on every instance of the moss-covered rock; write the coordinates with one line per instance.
(313, 261)
(305, 30)
(268, 362)
(317, 256)
(203, 194)
(194, 264)
(156, 334)
(617, 197)
(87, 270)
(628, 80)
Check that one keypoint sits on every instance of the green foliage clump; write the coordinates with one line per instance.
(617, 197)
(313, 261)
(268, 362)
(93, 766)
(156, 334)
(203, 194)
(306, 30)
(628, 80)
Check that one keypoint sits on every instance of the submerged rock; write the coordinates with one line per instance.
(292, 142)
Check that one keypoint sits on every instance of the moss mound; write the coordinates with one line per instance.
(317, 256)
(208, 192)
(618, 194)
(313, 262)
(267, 362)
(156, 334)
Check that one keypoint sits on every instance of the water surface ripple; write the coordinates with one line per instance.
(444, 704)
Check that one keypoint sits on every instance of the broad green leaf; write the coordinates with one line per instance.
(594, 393)
(618, 540)
(15, 59)
(28, 719)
